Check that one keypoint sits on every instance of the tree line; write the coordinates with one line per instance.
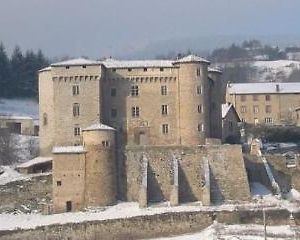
(18, 72)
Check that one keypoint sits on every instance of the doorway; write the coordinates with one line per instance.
(68, 206)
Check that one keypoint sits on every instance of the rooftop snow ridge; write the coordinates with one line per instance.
(98, 126)
(191, 58)
(76, 62)
(68, 149)
(259, 88)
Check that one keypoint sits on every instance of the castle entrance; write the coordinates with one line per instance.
(143, 140)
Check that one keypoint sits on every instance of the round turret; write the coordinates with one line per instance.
(101, 173)
(193, 100)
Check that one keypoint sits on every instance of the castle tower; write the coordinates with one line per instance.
(101, 173)
(193, 99)
(215, 101)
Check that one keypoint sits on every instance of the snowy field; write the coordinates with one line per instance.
(267, 71)
(238, 232)
(20, 107)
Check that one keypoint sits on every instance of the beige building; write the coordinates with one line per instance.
(155, 102)
(265, 103)
(230, 120)
(136, 130)
(19, 124)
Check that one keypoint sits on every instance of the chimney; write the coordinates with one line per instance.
(277, 88)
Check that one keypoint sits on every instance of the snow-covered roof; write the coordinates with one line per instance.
(98, 126)
(191, 58)
(14, 117)
(217, 70)
(113, 63)
(76, 62)
(68, 149)
(225, 109)
(35, 161)
(45, 69)
(259, 88)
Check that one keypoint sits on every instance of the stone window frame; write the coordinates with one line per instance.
(164, 109)
(268, 120)
(58, 183)
(198, 72)
(255, 109)
(76, 109)
(200, 108)
(164, 90)
(77, 131)
(134, 91)
(105, 143)
(200, 127)
(199, 89)
(268, 97)
(243, 109)
(135, 111)
(75, 90)
(165, 128)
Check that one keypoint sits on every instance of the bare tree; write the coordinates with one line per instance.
(7, 151)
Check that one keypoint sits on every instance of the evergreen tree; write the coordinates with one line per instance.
(17, 67)
(4, 72)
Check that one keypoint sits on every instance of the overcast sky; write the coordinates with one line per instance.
(98, 28)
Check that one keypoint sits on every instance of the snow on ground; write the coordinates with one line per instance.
(274, 70)
(122, 210)
(238, 232)
(11, 175)
(22, 107)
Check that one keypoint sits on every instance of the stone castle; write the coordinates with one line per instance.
(142, 131)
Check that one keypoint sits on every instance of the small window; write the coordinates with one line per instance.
(129, 69)
(161, 69)
(230, 126)
(201, 127)
(200, 108)
(105, 143)
(164, 109)
(67, 67)
(243, 109)
(76, 110)
(76, 131)
(145, 69)
(134, 90)
(198, 71)
(268, 98)
(199, 89)
(83, 66)
(255, 97)
(113, 70)
(75, 90)
(243, 98)
(68, 206)
(45, 119)
(165, 128)
(255, 109)
(164, 90)
(243, 120)
(268, 109)
(113, 92)
(113, 113)
(58, 183)
(268, 120)
(135, 111)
